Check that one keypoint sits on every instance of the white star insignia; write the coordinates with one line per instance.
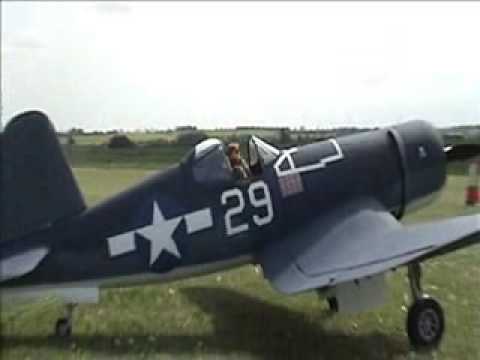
(159, 233)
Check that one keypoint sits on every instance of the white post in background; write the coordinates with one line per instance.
(473, 185)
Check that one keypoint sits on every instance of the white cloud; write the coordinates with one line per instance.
(111, 7)
(27, 42)
(223, 64)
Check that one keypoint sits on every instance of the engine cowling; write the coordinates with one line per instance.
(423, 163)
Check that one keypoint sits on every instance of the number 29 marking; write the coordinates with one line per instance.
(259, 196)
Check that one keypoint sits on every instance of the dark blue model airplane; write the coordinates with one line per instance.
(324, 216)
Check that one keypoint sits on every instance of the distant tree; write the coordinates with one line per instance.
(285, 136)
(191, 137)
(76, 131)
(186, 128)
(120, 141)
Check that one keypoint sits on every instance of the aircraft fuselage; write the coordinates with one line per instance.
(172, 225)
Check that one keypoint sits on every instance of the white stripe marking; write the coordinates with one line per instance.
(199, 220)
(121, 244)
(322, 163)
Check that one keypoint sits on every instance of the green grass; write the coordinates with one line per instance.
(98, 184)
(148, 157)
(236, 314)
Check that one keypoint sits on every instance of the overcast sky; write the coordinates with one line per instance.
(222, 64)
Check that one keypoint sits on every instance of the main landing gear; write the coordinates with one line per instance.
(63, 326)
(332, 304)
(425, 320)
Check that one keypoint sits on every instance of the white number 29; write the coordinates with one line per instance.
(232, 230)
(263, 201)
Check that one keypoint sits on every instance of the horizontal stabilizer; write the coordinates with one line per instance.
(68, 295)
(21, 264)
(38, 186)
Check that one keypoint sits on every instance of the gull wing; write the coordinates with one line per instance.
(356, 241)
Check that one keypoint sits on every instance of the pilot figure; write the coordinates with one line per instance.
(240, 168)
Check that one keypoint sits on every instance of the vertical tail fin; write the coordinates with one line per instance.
(38, 186)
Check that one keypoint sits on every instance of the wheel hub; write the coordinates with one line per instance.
(428, 324)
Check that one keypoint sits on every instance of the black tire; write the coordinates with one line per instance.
(63, 329)
(425, 323)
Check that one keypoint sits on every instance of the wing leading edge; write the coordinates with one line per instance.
(359, 240)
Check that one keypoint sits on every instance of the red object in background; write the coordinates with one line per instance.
(473, 188)
(473, 195)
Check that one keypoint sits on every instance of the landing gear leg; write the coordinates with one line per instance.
(425, 320)
(331, 300)
(332, 304)
(63, 326)
(415, 280)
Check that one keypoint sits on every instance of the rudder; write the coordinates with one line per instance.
(38, 186)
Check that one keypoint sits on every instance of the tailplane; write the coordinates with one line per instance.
(38, 187)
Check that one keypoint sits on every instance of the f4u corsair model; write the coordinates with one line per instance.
(323, 216)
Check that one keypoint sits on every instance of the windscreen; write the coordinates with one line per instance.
(210, 164)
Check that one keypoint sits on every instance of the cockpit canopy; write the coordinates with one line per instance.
(259, 150)
(210, 164)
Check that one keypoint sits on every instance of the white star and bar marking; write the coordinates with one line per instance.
(159, 233)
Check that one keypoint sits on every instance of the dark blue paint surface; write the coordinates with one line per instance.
(370, 167)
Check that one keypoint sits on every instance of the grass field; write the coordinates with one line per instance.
(237, 315)
(151, 158)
